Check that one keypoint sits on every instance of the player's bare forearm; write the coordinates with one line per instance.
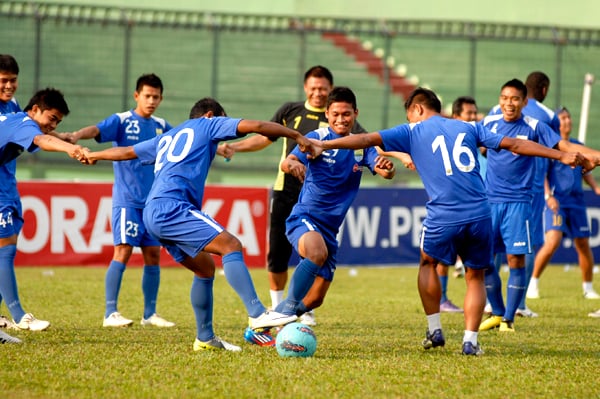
(354, 141)
(291, 165)
(591, 154)
(112, 154)
(253, 143)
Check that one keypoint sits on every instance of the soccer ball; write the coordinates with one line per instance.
(296, 340)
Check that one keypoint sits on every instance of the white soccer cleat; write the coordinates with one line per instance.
(116, 320)
(591, 294)
(8, 339)
(308, 318)
(28, 322)
(270, 319)
(595, 314)
(157, 321)
(526, 312)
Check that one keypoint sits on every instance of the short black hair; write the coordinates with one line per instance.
(205, 105)
(49, 98)
(341, 94)
(457, 105)
(8, 64)
(426, 98)
(319, 71)
(516, 84)
(536, 82)
(149, 79)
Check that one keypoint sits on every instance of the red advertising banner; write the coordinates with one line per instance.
(70, 223)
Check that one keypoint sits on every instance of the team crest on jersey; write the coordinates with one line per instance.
(359, 154)
(159, 131)
(357, 168)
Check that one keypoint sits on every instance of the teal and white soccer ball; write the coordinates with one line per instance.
(296, 340)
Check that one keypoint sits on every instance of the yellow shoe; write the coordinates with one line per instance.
(507, 326)
(490, 322)
(215, 344)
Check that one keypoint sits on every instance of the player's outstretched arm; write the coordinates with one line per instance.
(50, 143)
(354, 141)
(527, 147)
(272, 129)
(291, 165)
(112, 154)
(384, 167)
(592, 155)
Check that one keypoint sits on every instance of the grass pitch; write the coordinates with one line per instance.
(369, 334)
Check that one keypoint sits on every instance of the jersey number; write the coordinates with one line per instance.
(170, 149)
(457, 150)
(133, 127)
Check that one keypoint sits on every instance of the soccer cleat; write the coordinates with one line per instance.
(487, 309)
(215, 343)
(8, 339)
(116, 320)
(459, 271)
(260, 336)
(506, 326)
(594, 314)
(591, 294)
(449, 307)
(5, 322)
(526, 312)
(28, 322)
(532, 292)
(434, 339)
(157, 321)
(308, 318)
(490, 322)
(270, 319)
(471, 350)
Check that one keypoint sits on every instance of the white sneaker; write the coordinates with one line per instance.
(157, 321)
(28, 322)
(116, 320)
(595, 314)
(526, 312)
(487, 309)
(215, 344)
(5, 322)
(308, 318)
(532, 292)
(8, 339)
(270, 319)
(591, 294)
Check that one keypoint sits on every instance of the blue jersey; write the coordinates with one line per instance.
(8, 170)
(510, 176)
(444, 152)
(132, 179)
(566, 183)
(331, 181)
(17, 132)
(183, 155)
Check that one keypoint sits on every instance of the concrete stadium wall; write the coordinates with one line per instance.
(575, 13)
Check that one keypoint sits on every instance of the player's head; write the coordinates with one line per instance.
(208, 107)
(47, 108)
(537, 84)
(148, 94)
(9, 72)
(318, 82)
(513, 97)
(566, 123)
(465, 109)
(420, 104)
(341, 110)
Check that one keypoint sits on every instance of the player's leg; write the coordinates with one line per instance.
(493, 282)
(554, 228)
(473, 309)
(586, 265)
(515, 289)
(150, 285)
(446, 304)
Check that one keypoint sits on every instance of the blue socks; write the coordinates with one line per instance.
(493, 288)
(302, 279)
(444, 284)
(515, 291)
(201, 296)
(238, 277)
(150, 283)
(8, 282)
(112, 285)
(529, 263)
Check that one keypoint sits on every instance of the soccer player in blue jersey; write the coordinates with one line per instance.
(24, 131)
(130, 189)
(509, 181)
(173, 211)
(330, 184)
(565, 214)
(458, 220)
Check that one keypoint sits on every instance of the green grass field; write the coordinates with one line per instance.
(369, 334)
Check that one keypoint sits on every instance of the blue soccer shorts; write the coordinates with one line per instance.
(510, 227)
(573, 222)
(128, 228)
(11, 218)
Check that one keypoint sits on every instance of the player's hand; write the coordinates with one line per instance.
(552, 204)
(226, 151)
(304, 144)
(297, 169)
(317, 148)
